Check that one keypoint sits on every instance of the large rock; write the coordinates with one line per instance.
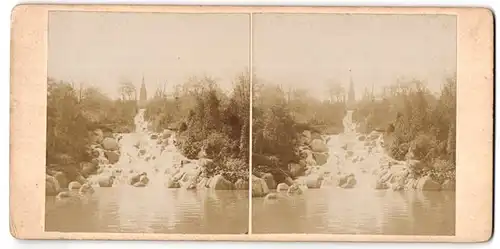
(241, 184)
(282, 187)
(318, 145)
(74, 185)
(88, 169)
(52, 187)
(112, 156)
(311, 181)
(86, 189)
(297, 169)
(288, 180)
(61, 179)
(259, 187)
(96, 136)
(307, 134)
(346, 181)
(134, 178)
(110, 143)
(271, 196)
(448, 185)
(320, 158)
(426, 183)
(218, 182)
(268, 177)
(171, 183)
(295, 189)
(105, 181)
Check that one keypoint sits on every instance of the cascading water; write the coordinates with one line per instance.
(355, 153)
(143, 151)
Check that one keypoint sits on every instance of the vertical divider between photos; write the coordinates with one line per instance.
(250, 141)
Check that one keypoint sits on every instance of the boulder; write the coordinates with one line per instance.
(80, 179)
(288, 180)
(144, 179)
(318, 145)
(361, 138)
(88, 169)
(171, 183)
(52, 187)
(74, 185)
(134, 178)
(218, 182)
(66, 195)
(320, 158)
(448, 185)
(268, 177)
(311, 181)
(61, 179)
(112, 156)
(204, 162)
(105, 181)
(139, 184)
(142, 152)
(86, 189)
(110, 143)
(426, 183)
(307, 134)
(303, 140)
(295, 189)
(259, 187)
(346, 181)
(349, 154)
(271, 196)
(282, 187)
(316, 135)
(154, 136)
(296, 169)
(96, 136)
(241, 184)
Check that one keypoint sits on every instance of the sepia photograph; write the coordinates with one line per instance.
(354, 124)
(251, 123)
(148, 123)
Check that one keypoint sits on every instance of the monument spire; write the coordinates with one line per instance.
(351, 98)
(143, 95)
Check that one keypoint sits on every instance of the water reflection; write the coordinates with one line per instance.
(147, 210)
(355, 211)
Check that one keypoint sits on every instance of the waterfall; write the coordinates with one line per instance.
(352, 152)
(145, 151)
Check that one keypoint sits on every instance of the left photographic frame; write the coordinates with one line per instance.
(147, 122)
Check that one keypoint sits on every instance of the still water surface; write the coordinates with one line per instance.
(145, 210)
(357, 211)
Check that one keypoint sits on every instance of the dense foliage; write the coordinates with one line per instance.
(278, 118)
(73, 113)
(208, 121)
(424, 125)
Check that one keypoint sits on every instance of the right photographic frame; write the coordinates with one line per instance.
(354, 123)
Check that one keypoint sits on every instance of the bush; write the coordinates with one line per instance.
(72, 114)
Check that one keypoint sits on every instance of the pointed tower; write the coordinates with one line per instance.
(143, 94)
(351, 98)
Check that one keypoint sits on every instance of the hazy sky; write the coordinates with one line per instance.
(307, 50)
(102, 49)
(304, 50)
